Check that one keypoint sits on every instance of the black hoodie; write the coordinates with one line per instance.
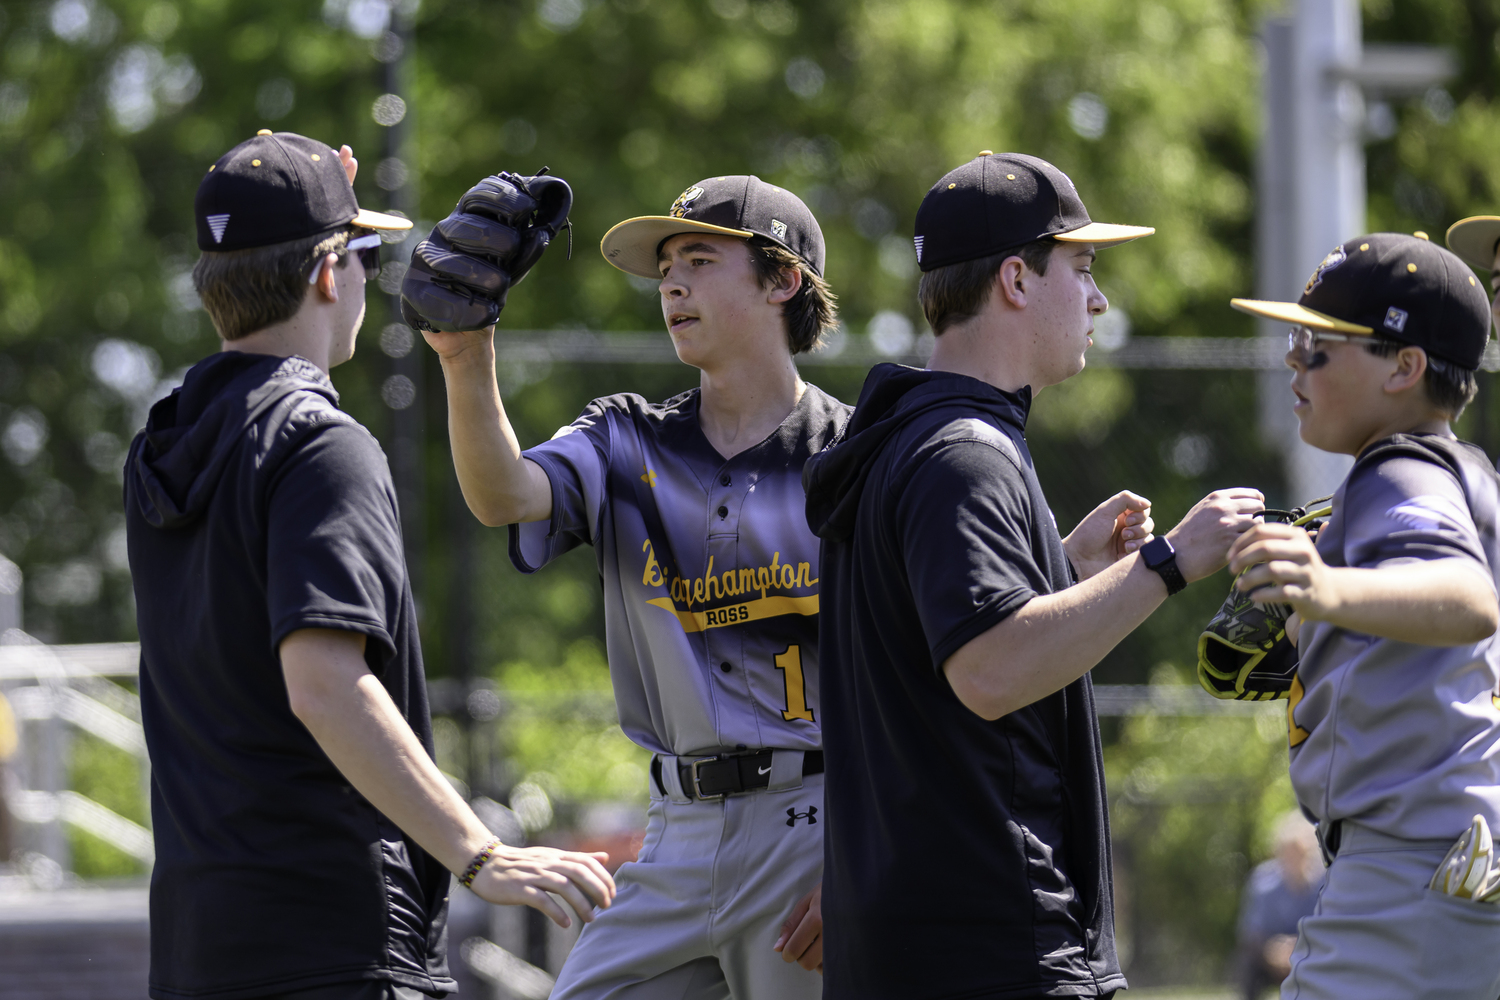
(934, 530)
(255, 507)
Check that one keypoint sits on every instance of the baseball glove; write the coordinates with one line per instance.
(1244, 653)
(460, 274)
(1471, 870)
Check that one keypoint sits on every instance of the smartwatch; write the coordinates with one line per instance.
(1161, 559)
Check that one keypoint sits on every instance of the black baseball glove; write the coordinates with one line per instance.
(1244, 653)
(460, 274)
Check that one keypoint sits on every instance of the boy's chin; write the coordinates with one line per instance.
(1322, 438)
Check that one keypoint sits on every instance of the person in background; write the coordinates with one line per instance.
(1278, 894)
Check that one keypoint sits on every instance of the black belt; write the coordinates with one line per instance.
(730, 774)
(1330, 833)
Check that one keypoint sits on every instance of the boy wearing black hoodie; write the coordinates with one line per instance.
(959, 627)
(304, 835)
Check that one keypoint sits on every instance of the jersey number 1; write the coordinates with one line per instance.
(790, 662)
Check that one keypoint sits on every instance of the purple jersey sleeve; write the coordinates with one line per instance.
(1407, 510)
(576, 461)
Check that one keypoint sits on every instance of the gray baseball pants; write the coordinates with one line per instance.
(1379, 933)
(695, 917)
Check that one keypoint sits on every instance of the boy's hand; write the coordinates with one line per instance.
(801, 939)
(529, 876)
(1203, 537)
(1111, 531)
(1280, 565)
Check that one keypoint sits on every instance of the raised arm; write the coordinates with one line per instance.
(499, 485)
(350, 714)
(1054, 639)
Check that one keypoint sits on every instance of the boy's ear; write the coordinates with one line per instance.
(788, 284)
(1009, 282)
(326, 286)
(1411, 366)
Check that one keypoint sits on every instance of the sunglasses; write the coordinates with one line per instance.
(367, 247)
(1302, 344)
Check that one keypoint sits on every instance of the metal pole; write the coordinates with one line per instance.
(1312, 194)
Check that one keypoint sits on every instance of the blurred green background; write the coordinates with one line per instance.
(111, 110)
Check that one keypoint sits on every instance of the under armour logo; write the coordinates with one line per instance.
(217, 224)
(792, 816)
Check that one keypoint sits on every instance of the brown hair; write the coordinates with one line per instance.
(1450, 387)
(810, 314)
(959, 291)
(249, 290)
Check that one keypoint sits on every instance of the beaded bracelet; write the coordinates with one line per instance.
(480, 860)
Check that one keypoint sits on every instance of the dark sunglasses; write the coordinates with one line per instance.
(366, 247)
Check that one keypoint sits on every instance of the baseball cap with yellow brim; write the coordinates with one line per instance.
(277, 187)
(1002, 201)
(1475, 240)
(1391, 285)
(740, 205)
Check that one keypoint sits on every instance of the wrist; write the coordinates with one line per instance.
(483, 856)
(477, 353)
(1159, 556)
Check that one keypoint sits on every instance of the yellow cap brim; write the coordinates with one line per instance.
(631, 245)
(1295, 315)
(1474, 239)
(379, 220)
(1104, 234)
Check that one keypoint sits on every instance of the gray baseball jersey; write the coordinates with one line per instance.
(1403, 738)
(710, 571)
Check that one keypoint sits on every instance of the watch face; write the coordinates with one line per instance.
(1156, 552)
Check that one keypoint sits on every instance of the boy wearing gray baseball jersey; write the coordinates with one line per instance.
(694, 508)
(1392, 717)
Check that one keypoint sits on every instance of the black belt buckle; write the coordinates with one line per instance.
(697, 776)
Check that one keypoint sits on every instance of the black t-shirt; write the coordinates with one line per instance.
(964, 858)
(255, 507)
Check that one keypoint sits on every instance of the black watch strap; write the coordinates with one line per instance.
(1161, 558)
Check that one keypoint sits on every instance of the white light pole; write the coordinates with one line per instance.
(1311, 180)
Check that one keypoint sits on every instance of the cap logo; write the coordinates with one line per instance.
(680, 207)
(1395, 319)
(1335, 257)
(918, 240)
(217, 224)
(778, 229)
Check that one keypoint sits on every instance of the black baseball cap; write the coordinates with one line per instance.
(1475, 240)
(277, 187)
(1405, 288)
(1000, 201)
(740, 205)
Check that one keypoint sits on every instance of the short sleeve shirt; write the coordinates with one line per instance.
(953, 535)
(256, 508)
(711, 576)
(1403, 738)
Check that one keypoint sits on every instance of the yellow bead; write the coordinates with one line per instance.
(1411, 268)
(1364, 246)
(1471, 279)
(255, 163)
(986, 152)
(1010, 177)
(1421, 235)
(264, 131)
(316, 157)
(211, 167)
